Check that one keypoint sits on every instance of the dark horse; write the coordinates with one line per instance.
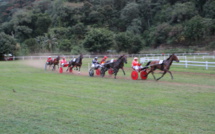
(75, 63)
(164, 66)
(115, 65)
(55, 62)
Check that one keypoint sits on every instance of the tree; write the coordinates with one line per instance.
(128, 42)
(7, 45)
(129, 13)
(209, 10)
(181, 12)
(158, 35)
(40, 24)
(198, 28)
(65, 45)
(98, 40)
(32, 45)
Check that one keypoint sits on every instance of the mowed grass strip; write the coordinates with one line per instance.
(36, 101)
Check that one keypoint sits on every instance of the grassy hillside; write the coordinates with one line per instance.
(34, 101)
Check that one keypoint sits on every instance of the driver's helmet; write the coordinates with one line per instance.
(63, 57)
(96, 58)
(49, 56)
(105, 57)
(135, 58)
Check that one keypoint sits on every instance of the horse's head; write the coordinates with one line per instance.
(79, 59)
(125, 59)
(122, 59)
(58, 57)
(81, 56)
(175, 58)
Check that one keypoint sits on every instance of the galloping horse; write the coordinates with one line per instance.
(55, 62)
(116, 65)
(75, 63)
(165, 66)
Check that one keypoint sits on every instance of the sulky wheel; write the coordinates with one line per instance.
(98, 72)
(61, 70)
(110, 71)
(70, 69)
(143, 75)
(91, 72)
(134, 75)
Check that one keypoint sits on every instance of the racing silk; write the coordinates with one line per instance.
(94, 61)
(135, 63)
(136, 66)
(49, 59)
(102, 61)
(63, 61)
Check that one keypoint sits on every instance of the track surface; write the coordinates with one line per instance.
(41, 64)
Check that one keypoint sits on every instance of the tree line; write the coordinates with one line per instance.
(95, 26)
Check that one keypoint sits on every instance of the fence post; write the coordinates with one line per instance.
(206, 65)
(185, 63)
(23, 58)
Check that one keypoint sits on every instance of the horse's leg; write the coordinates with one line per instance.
(123, 71)
(170, 74)
(115, 72)
(79, 69)
(151, 71)
(153, 75)
(161, 75)
(53, 67)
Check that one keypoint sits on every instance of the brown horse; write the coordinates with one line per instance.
(55, 62)
(116, 65)
(75, 63)
(164, 66)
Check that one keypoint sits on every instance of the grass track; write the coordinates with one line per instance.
(53, 103)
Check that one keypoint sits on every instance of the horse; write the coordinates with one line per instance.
(115, 65)
(75, 63)
(55, 62)
(164, 66)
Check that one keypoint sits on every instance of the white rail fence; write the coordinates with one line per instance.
(151, 56)
(184, 63)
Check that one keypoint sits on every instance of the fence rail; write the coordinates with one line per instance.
(205, 64)
(181, 56)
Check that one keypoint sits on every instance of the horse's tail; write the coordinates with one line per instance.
(148, 63)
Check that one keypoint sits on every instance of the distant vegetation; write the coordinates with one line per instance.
(95, 26)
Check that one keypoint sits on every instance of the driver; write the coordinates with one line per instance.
(49, 60)
(95, 62)
(63, 61)
(103, 60)
(136, 65)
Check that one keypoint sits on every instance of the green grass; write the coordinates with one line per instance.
(53, 103)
